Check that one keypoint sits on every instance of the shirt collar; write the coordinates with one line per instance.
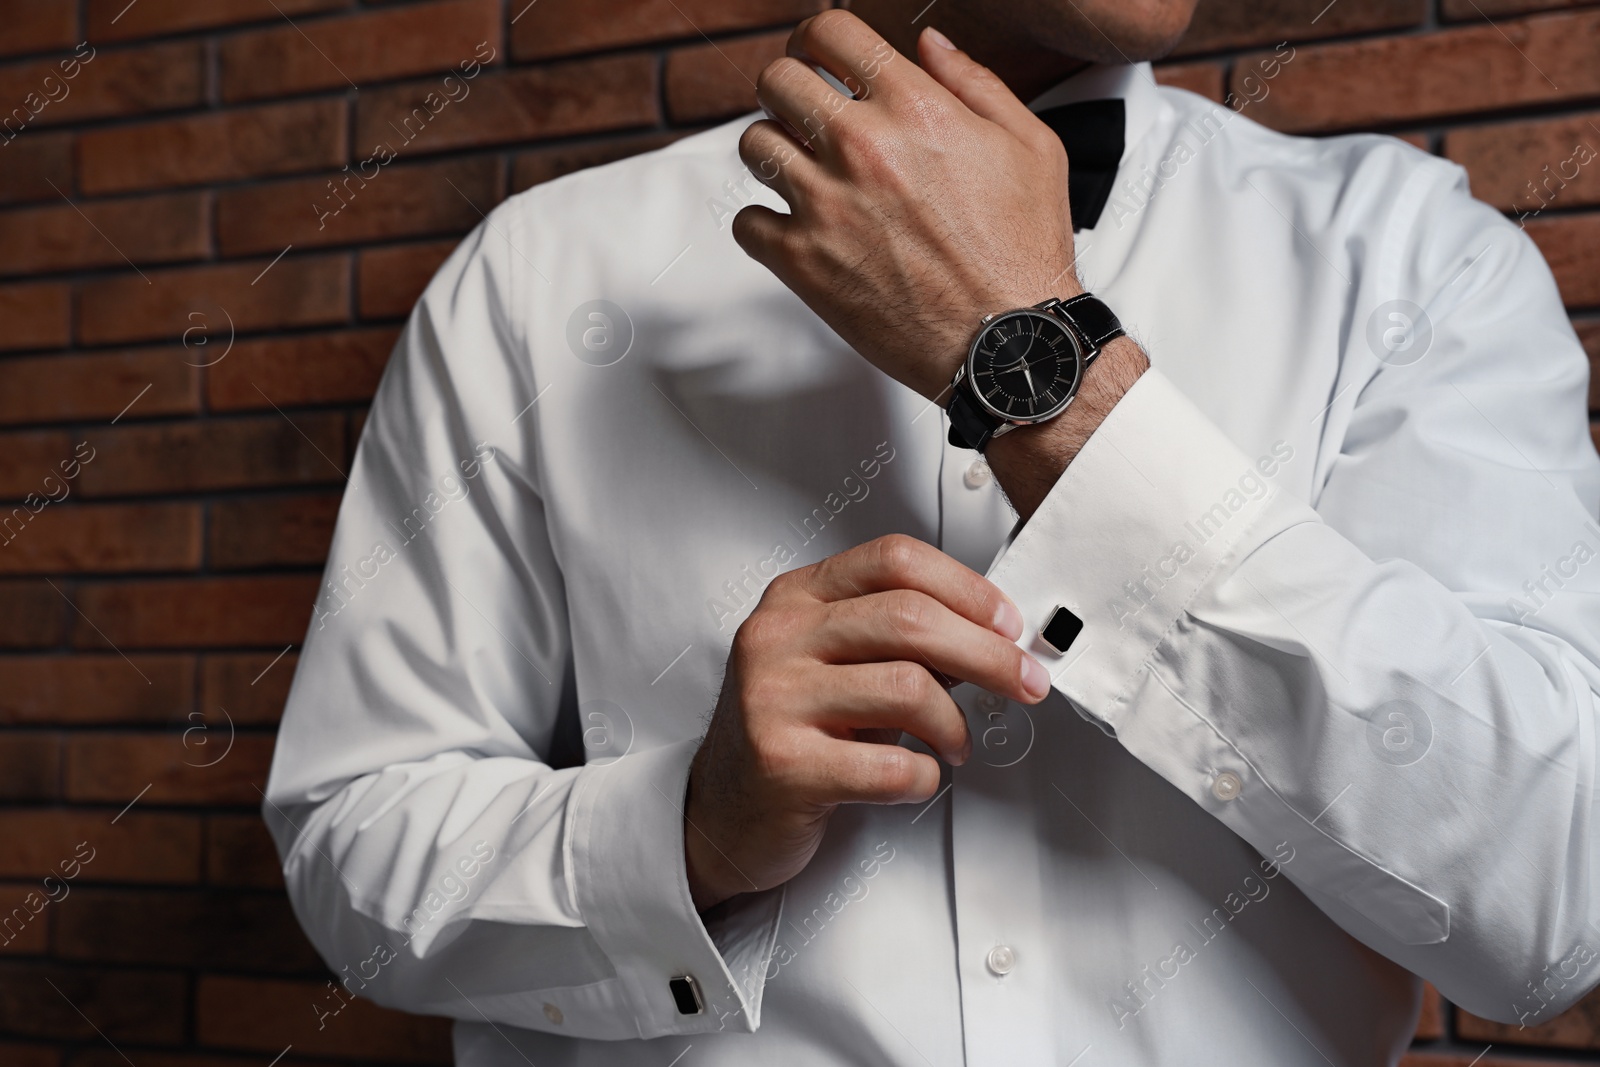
(1134, 84)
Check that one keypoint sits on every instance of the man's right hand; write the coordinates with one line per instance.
(835, 662)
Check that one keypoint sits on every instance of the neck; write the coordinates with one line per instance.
(1026, 68)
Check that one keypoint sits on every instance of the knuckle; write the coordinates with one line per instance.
(924, 113)
(774, 75)
(897, 556)
(909, 611)
(871, 154)
(822, 26)
(778, 757)
(751, 141)
(893, 770)
(766, 629)
(906, 686)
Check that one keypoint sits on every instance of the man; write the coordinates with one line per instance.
(1280, 687)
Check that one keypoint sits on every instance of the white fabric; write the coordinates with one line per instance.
(1332, 716)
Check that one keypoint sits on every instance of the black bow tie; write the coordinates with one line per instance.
(1093, 132)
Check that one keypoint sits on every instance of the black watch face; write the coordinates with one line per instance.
(1024, 366)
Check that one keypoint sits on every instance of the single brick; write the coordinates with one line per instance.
(243, 143)
(271, 531)
(202, 307)
(586, 96)
(101, 84)
(118, 20)
(39, 27)
(321, 368)
(208, 762)
(142, 847)
(553, 29)
(35, 316)
(210, 929)
(194, 613)
(140, 382)
(402, 201)
(95, 688)
(252, 452)
(392, 278)
(99, 538)
(106, 233)
(1527, 167)
(253, 686)
(1388, 80)
(79, 1004)
(357, 49)
(35, 167)
(705, 82)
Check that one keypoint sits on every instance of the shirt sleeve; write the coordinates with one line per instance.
(1397, 680)
(433, 854)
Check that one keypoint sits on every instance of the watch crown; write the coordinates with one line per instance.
(987, 319)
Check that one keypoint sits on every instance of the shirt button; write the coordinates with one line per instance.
(553, 1013)
(991, 702)
(977, 475)
(1226, 786)
(1001, 959)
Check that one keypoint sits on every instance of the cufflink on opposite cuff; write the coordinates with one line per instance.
(686, 995)
(1062, 629)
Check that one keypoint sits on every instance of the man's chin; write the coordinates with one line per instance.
(1109, 32)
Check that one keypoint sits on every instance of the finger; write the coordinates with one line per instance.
(761, 232)
(796, 95)
(900, 696)
(856, 772)
(853, 52)
(974, 84)
(903, 624)
(778, 161)
(901, 562)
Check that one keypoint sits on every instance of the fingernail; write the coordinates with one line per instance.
(1008, 620)
(939, 39)
(1035, 679)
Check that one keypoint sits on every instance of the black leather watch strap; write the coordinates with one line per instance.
(970, 425)
(1090, 314)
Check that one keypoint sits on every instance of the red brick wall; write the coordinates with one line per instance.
(149, 610)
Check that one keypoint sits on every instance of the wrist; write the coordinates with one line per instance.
(701, 861)
(1028, 460)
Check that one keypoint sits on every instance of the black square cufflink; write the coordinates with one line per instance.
(686, 995)
(1062, 629)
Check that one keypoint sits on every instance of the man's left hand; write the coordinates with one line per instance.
(932, 199)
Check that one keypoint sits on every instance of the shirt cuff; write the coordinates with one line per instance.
(1158, 505)
(626, 865)
(1137, 524)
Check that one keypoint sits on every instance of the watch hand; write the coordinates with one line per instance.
(1029, 376)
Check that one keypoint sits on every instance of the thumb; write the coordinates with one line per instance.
(974, 84)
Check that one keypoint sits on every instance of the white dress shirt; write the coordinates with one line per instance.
(1332, 717)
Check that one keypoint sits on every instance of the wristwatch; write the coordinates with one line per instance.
(1025, 367)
